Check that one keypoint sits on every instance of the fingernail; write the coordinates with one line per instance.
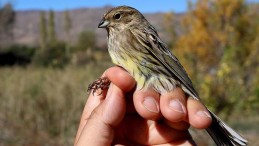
(151, 105)
(176, 105)
(203, 114)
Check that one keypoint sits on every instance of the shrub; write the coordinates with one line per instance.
(55, 55)
(16, 55)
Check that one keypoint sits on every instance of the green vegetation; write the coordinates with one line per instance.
(42, 106)
(43, 89)
(217, 47)
(43, 31)
(7, 18)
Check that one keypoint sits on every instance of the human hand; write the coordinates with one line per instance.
(121, 116)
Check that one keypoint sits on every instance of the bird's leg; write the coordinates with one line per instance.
(99, 84)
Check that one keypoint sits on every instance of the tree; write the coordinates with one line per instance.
(86, 40)
(43, 31)
(67, 28)
(53, 52)
(67, 25)
(51, 28)
(215, 44)
(84, 48)
(7, 19)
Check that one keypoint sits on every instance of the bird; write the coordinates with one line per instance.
(134, 44)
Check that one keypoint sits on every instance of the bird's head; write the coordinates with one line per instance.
(120, 18)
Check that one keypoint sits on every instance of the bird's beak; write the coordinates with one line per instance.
(103, 23)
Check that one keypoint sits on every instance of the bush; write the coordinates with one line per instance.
(55, 55)
(16, 55)
(86, 40)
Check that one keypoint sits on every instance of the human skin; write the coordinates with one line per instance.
(123, 116)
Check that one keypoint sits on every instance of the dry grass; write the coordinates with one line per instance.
(42, 106)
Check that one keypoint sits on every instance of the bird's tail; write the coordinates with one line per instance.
(223, 135)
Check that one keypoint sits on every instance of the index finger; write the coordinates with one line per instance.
(92, 102)
(121, 78)
(117, 76)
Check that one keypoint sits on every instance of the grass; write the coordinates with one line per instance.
(42, 106)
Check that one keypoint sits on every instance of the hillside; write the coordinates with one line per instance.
(26, 28)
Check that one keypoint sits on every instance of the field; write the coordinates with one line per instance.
(42, 106)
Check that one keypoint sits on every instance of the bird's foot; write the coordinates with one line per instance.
(99, 85)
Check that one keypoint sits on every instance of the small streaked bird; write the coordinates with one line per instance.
(135, 45)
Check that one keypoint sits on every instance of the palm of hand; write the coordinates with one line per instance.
(135, 130)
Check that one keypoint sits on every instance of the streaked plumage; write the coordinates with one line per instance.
(135, 45)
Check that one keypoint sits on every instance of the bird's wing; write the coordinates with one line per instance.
(154, 45)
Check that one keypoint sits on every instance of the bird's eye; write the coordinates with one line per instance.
(117, 16)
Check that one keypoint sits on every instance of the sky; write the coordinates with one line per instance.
(142, 5)
(177, 6)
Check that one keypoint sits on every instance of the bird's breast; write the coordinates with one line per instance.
(130, 54)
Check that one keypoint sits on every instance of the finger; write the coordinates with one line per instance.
(146, 102)
(152, 132)
(92, 102)
(120, 78)
(116, 75)
(198, 115)
(130, 105)
(114, 106)
(173, 105)
(125, 81)
(182, 125)
(99, 127)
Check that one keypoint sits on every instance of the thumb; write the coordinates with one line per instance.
(99, 128)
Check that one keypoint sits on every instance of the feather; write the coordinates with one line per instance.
(221, 133)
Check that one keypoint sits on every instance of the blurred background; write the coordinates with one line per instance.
(51, 50)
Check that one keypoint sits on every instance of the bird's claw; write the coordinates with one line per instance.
(99, 84)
